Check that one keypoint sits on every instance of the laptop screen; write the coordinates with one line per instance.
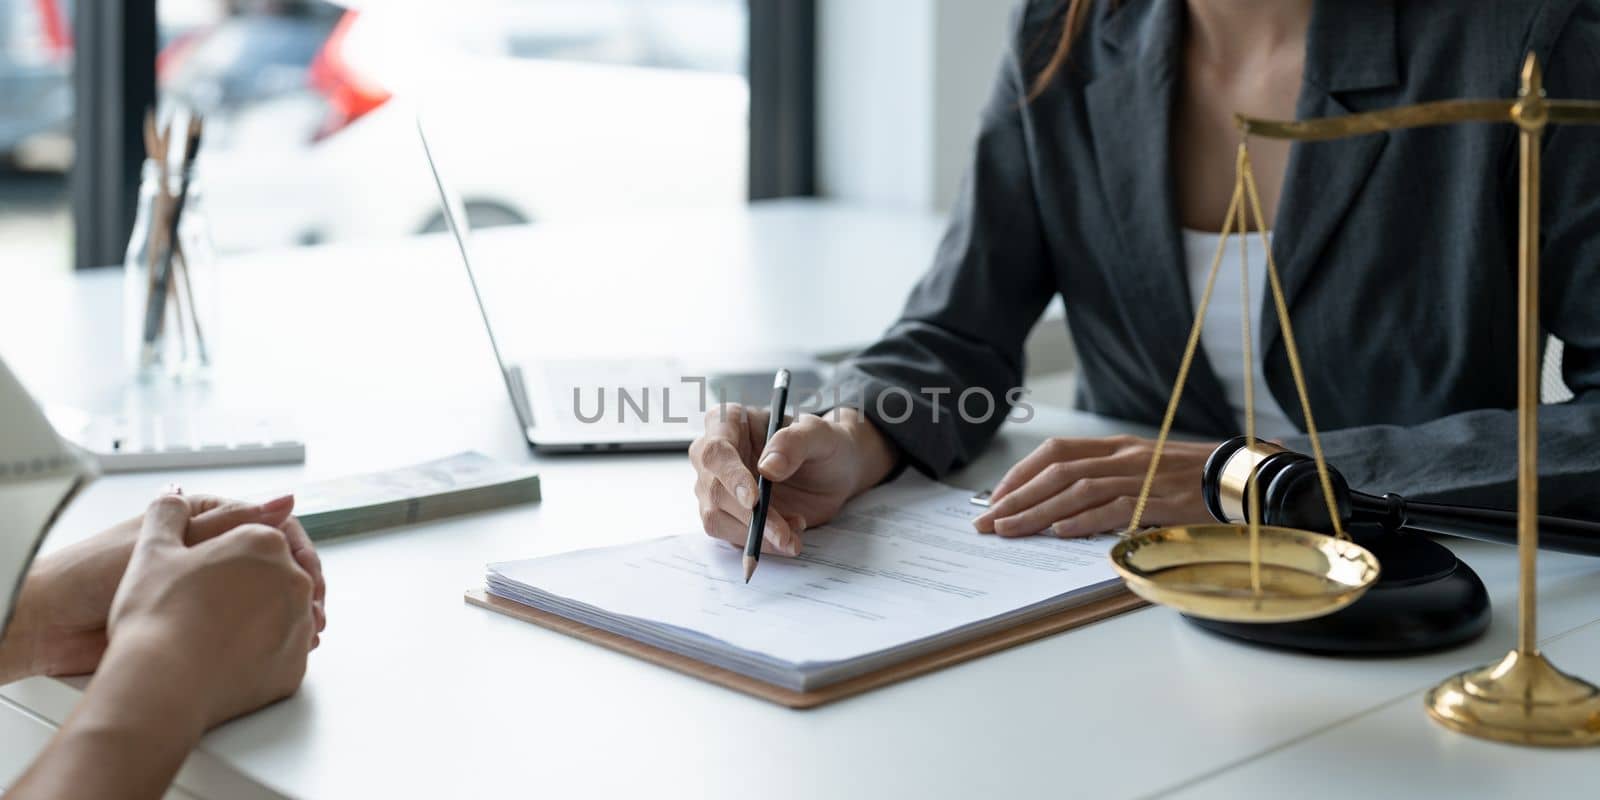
(455, 217)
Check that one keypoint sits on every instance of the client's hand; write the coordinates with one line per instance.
(198, 634)
(59, 626)
(819, 462)
(227, 621)
(1078, 487)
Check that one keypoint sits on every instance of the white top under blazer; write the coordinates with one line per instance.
(1221, 336)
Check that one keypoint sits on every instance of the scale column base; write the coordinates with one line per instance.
(1522, 699)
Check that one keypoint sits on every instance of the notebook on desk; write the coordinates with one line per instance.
(898, 585)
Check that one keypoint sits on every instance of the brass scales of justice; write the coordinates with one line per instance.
(1255, 573)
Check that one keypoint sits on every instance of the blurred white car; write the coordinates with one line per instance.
(533, 119)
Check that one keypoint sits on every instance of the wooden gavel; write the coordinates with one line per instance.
(1291, 497)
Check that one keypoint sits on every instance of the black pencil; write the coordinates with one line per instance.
(758, 520)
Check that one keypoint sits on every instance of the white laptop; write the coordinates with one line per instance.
(575, 406)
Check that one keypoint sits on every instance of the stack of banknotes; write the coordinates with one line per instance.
(460, 484)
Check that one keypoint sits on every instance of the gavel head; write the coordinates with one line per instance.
(1291, 493)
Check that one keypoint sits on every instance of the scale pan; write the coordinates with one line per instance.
(1204, 571)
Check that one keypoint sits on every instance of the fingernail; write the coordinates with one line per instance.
(743, 493)
(278, 503)
(1062, 528)
(784, 545)
(772, 462)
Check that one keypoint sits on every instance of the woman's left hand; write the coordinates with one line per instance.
(1080, 487)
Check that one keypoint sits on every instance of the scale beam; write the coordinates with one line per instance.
(1442, 112)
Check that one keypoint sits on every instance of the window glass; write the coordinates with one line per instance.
(543, 109)
(35, 135)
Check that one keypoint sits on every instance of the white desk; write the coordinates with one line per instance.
(413, 693)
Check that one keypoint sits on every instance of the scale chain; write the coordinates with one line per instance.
(1247, 176)
(1252, 490)
(1244, 189)
(1234, 211)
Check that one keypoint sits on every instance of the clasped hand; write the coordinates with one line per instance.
(197, 612)
(61, 621)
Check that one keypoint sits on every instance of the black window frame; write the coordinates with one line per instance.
(783, 117)
(114, 81)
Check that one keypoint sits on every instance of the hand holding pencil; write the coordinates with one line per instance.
(814, 464)
(758, 515)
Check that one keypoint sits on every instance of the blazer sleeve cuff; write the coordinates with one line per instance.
(898, 414)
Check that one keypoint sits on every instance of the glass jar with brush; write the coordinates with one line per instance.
(169, 271)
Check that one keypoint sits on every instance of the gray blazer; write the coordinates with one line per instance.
(1397, 250)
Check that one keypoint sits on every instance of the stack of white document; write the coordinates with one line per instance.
(901, 573)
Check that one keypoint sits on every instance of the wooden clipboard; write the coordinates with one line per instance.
(1064, 621)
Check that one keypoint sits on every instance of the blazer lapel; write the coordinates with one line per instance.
(1354, 53)
(1322, 183)
(1130, 115)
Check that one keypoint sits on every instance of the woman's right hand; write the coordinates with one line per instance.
(230, 618)
(817, 462)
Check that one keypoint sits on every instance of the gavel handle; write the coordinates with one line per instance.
(1494, 525)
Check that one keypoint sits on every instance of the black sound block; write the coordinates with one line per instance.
(1425, 599)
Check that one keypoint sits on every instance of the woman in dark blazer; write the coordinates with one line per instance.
(1108, 145)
